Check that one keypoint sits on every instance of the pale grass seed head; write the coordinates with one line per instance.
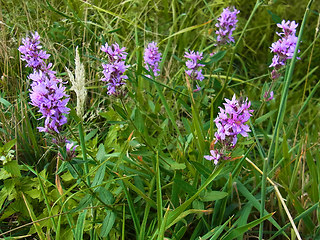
(78, 84)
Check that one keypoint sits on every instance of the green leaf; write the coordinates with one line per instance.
(186, 187)
(108, 223)
(101, 154)
(120, 111)
(9, 145)
(80, 225)
(5, 102)
(105, 195)
(98, 178)
(274, 17)
(138, 120)
(265, 116)
(13, 168)
(213, 196)
(84, 202)
(201, 168)
(177, 166)
(91, 135)
(216, 57)
(179, 210)
(241, 230)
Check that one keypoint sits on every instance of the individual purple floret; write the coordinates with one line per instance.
(266, 97)
(226, 25)
(215, 156)
(230, 122)
(284, 47)
(152, 57)
(32, 53)
(193, 66)
(114, 70)
(47, 91)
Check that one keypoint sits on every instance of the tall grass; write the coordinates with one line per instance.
(139, 171)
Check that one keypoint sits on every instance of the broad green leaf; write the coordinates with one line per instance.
(101, 154)
(108, 223)
(105, 195)
(13, 168)
(213, 196)
(84, 202)
(120, 111)
(80, 225)
(9, 145)
(98, 178)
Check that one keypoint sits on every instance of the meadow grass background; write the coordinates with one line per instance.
(144, 157)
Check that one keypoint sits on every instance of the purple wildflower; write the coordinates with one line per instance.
(114, 70)
(284, 47)
(270, 96)
(192, 64)
(226, 25)
(47, 91)
(215, 156)
(32, 53)
(230, 122)
(70, 146)
(50, 97)
(152, 57)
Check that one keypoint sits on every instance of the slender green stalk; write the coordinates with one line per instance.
(84, 152)
(159, 193)
(86, 169)
(280, 117)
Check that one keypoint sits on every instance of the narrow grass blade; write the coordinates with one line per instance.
(241, 230)
(33, 218)
(175, 213)
(133, 212)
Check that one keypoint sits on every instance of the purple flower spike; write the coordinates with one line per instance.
(152, 57)
(51, 100)
(283, 48)
(32, 53)
(193, 66)
(230, 122)
(114, 70)
(226, 25)
(47, 92)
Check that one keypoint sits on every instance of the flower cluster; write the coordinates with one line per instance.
(152, 57)
(49, 96)
(47, 92)
(284, 47)
(230, 122)
(113, 71)
(226, 25)
(192, 64)
(32, 53)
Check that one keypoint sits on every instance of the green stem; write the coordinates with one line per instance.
(84, 152)
(86, 170)
(280, 116)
